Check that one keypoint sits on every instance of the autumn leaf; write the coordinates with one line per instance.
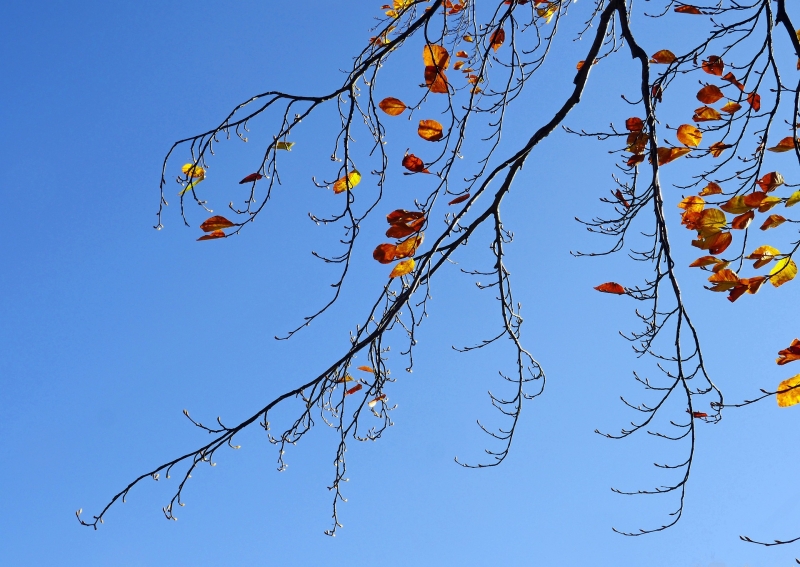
(692, 204)
(611, 287)
(783, 271)
(435, 80)
(409, 246)
(754, 200)
(430, 130)
(193, 171)
(250, 178)
(713, 65)
(686, 9)
(666, 155)
(287, 146)
(635, 159)
(347, 182)
(789, 392)
(403, 216)
(732, 80)
(704, 261)
(637, 142)
(763, 255)
(711, 189)
(706, 114)
(497, 39)
(767, 203)
(435, 56)
(548, 11)
(709, 94)
(711, 222)
(793, 199)
(212, 236)
(770, 181)
(374, 401)
(344, 380)
(689, 135)
(754, 100)
(464, 197)
(580, 63)
(789, 354)
(772, 222)
(743, 221)
(403, 268)
(216, 223)
(736, 205)
(414, 164)
(785, 145)
(191, 186)
(731, 107)
(723, 280)
(717, 148)
(634, 124)
(392, 106)
(462, 54)
(385, 253)
(457, 65)
(715, 244)
(621, 198)
(366, 369)
(354, 389)
(665, 56)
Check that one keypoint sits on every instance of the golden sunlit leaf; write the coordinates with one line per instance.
(715, 244)
(193, 171)
(191, 186)
(731, 107)
(385, 253)
(783, 271)
(392, 106)
(347, 182)
(736, 205)
(717, 148)
(430, 130)
(457, 65)
(548, 11)
(771, 181)
(409, 246)
(742, 221)
(789, 354)
(366, 369)
(711, 189)
(686, 9)
(468, 38)
(793, 199)
(414, 164)
(763, 255)
(785, 145)
(689, 135)
(637, 142)
(788, 392)
(767, 203)
(664, 56)
(213, 235)
(723, 280)
(709, 94)
(435, 56)
(611, 287)
(706, 114)
(754, 100)
(250, 178)
(459, 199)
(713, 65)
(704, 261)
(287, 146)
(711, 222)
(462, 54)
(692, 203)
(403, 268)
(497, 39)
(215, 223)
(344, 380)
(666, 155)
(772, 222)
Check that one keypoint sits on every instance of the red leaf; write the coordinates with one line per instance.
(354, 389)
(459, 199)
(611, 287)
(385, 253)
(250, 178)
(413, 163)
(216, 223)
(213, 235)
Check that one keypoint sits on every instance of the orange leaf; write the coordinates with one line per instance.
(430, 130)
(736, 205)
(789, 354)
(579, 66)
(459, 199)
(250, 178)
(753, 200)
(754, 100)
(686, 9)
(692, 203)
(409, 246)
(622, 200)
(715, 243)
(347, 182)
(637, 142)
(457, 65)
(785, 145)
(770, 181)
(463, 54)
(763, 255)
(711, 189)
(347, 378)
(713, 65)
(699, 414)
(666, 155)
(435, 80)
(772, 222)
(611, 287)
(392, 106)
(731, 107)
(366, 369)
(213, 235)
(664, 56)
(385, 253)
(743, 221)
(706, 114)
(216, 223)
(414, 164)
(635, 159)
(704, 261)
(717, 148)
(374, 401)
(634, 124)
(497, 39)
(723, 280)
(435, 56)
(403, 268)
(732, 80)
(689, 135)
(709, 94)
(354, 389)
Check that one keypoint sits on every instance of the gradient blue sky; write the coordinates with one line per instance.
(111, 328)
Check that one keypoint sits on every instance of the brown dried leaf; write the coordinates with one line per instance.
(709, 94)
(392, 106)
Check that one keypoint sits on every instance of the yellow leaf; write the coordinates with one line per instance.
(430, 130)
(763, 255)
(403, 268)
(191, 186)
(688, 135)
(789, 392)
(783, 271)
(192, 170)
(347, 182)
(284, 146)
(736, 205)
(547, 12)
(711, 222)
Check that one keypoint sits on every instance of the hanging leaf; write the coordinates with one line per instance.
(354, 389)
(250, 178)
(711, 222)
(611, 287)
(711, 189)
(403, 268)
(385, 253)
(706, 114)
(793, 199)
(402, 215)
(713, 65)
(548, 11)
(366, 369)
(686, 9)
(782, 272)
(715, 244)
(497, 39)
(666, 155)
(767, 203)
(771, 181)
(732, 80)
(215, 223)
(347, 182)
(736, 205)
(785, 145)
(430, 130)
(374, 401)
(435, 56)
(731, 107)
(462, 54)
(789, 392)
(789, 354)
(709, 94)
(392, 106)
(435, 80)
(754, 200)
(637, 142)
(414, 164)
(193, 171)
(634, 124)
(743, 221)
(723, 280)
(191, 186)
(689, 135)
(409, 246)
(704, 261)
(754, 100)
(457, 65)
(465, 196)
(286, 146)
(212, 236)
(763, 255)
(618, 194)
(772, 222)
(665, 56)
(344, 380)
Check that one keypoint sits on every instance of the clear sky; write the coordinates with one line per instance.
(110, 328)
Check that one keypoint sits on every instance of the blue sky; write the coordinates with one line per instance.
(111, 328)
